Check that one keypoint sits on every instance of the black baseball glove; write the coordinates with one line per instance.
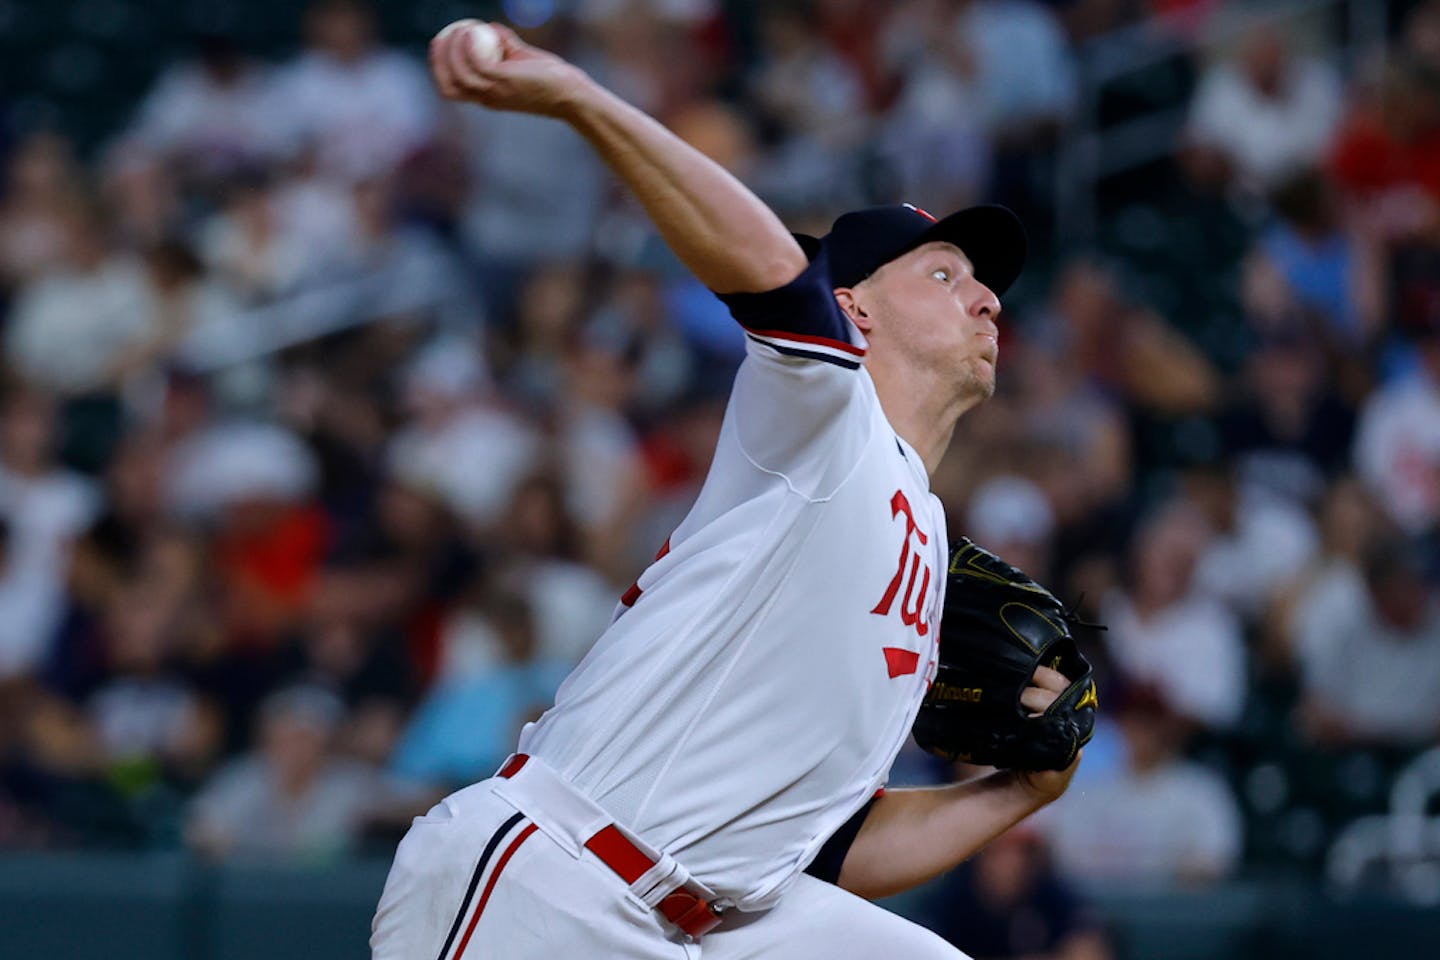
(998, 626)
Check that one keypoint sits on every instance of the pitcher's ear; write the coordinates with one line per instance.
(851, 306)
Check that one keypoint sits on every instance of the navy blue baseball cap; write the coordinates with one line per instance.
(863, 241)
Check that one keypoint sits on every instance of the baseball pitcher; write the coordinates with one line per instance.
(710, 781)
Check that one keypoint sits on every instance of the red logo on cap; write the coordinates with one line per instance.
(924, 213)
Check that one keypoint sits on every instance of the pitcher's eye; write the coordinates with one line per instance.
(941, 273)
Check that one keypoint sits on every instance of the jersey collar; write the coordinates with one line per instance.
(917, 465)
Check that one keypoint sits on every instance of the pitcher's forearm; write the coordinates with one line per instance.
(717, 227)
(912, 836)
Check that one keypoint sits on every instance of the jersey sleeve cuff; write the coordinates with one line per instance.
(827, 863)
(801, 319)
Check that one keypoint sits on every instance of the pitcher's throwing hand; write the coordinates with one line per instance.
(522, 78)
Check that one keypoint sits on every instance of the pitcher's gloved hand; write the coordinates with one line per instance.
(999, 626)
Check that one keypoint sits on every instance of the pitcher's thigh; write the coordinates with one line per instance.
(816, 920)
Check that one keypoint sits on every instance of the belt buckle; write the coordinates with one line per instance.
(693, 914)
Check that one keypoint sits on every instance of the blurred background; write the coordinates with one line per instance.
(334, 420)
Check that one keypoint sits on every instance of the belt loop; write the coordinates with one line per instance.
(661, 880)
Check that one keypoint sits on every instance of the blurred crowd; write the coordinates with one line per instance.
(335, 419)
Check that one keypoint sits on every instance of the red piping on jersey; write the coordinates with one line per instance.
(490, 886)
(849, 348)
(634, 592)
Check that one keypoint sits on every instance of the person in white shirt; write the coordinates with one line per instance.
(97, 296)
(736, 723)
(472, 453)
(211, 114)
(1368, 647)
(1164, 820)
(361, 107)
(1166, 631)
(1397, 444)
(1271, 114)
(43, 509)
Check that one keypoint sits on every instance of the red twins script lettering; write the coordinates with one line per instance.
(910, 616)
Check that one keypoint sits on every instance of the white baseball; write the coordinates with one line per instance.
(482, 43)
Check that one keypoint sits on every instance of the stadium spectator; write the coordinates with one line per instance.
(130, 521)
(212, 114)
(350, 640)
(539, 199)
(1350, 523)
(429, 552)
(98, 296)
(1386, 158)
(1309, 270)
(1008, 904)
(150, 721)
(657, 54)
(1421, 37)
(1260, 541)
(30, 607)
(253, 483)
(547, 317)
(291, 798)
(412, 276)
(1397, 445)
(1288, 430)
(1369, 652)
(1082, 455)
(1164, 820)
(1010, 516)
(803, 85)
(631, 316)
(936, 134)
(543, 549)
(470, 450)
(143, 196)
(1185, 247)
(989, 84)
(48, 761)
(1026, 80)
(361, 107)
(247, 244)
(598, 448)
(1272, 113)
(44, 508)
(1122, 348)
(1023, 67)
(43, 195)
(1164, 630)
(811, 102)
(467, 724)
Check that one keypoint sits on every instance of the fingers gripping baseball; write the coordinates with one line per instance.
(504, 73)
(1045, 688)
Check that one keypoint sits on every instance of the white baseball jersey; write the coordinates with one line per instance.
(760, 677)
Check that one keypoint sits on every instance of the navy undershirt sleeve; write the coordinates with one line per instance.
(804, 307)
(826, 865)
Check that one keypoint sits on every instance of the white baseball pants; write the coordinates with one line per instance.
(477, 878)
